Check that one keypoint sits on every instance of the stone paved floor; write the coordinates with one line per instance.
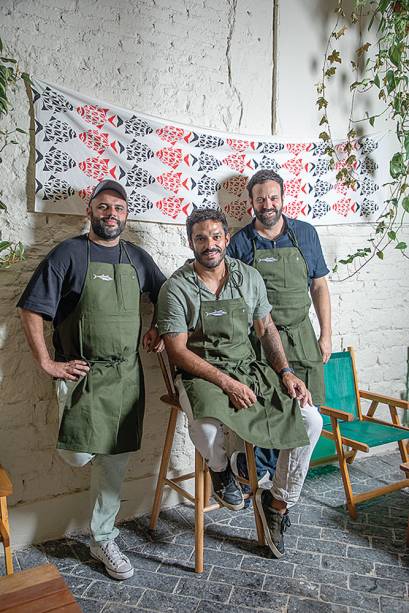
(331, 562)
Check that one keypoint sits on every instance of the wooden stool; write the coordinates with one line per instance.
(405, 467)
(201, 475)
(6, 489)
(36, 590)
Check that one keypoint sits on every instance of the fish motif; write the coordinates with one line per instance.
(368, 207)
(294, 165)
(102, 277)
(317, 148)
(170, 134)
(137, 126)
(208, 162)
(205, 141)
(56, 160)
(318, 168)
(172, 206)
(218, 313)
(139, 203)
(85, 193)
(319, 209)
(342, 163)
(294, 208)
(268, 259)
(367, 145)
(344, 206)
(368, 166)
(345, 147)
(237, 209)
(207, 186)
(292, 188)
(237, 161)
(97, 168)
(173, 181)
(321, 188)
(267, 163)
(206, 204)
(342, 188)
(55, 189)
(58, 131)
(139, 177)
(368, 187)
(170, 156)
(138, 152)
(95, 140)
(296, 148)
(235, 185)
(270, 147)
(97, 116)
(240, 145)
(53, 101)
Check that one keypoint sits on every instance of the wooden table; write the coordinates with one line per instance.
(37, 590)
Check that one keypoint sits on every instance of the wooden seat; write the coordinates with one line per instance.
(201, 475)
(347, 426)
(36, 590)
(6, 489)
(405, 467)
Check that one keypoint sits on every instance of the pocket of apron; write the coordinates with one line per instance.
(130, 299)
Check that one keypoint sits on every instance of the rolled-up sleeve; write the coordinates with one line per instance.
(171, 309)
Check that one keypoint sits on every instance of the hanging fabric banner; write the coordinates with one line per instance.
(168, 169)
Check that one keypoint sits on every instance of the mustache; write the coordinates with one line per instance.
(215, 250)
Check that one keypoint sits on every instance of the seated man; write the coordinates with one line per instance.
(205, 312)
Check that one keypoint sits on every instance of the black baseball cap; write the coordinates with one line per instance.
(109, 184)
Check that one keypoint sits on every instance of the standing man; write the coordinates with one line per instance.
(288, 255)
(90, 287)
(205, 311)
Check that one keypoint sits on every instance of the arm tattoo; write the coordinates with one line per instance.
(272, 345)
(171, 334)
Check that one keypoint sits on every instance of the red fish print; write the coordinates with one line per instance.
(173, 181)
(237, 209)
(97, 168)
(292, 188)
(344, 206)
(95, 140)
(172, 206)
(171, 134)
(294, 208)
(294, 166)
(235, 185)
(237, 161)
(170, 156)
(296, 148)
(85, 193)
(240, 145)
(98, 116)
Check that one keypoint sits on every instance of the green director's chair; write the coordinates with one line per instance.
(346, 426)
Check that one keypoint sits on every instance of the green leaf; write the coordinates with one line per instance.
(372, 120)
(392, 235)
(395, 54)
(401, 246)
(390, 81)
(406, 141)
(334, 57)
(377, 81)
(4, 245)
(397, 166)
(330, 72)
(8, 59)
(21, 131)
(380, 254)
(322, 103)
(405, 203)
(324, 136)
(3, 207)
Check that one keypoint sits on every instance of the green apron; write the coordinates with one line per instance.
(104, 411)
(221, 338)
(285, 275)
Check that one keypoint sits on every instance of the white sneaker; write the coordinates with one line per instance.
(116, 563)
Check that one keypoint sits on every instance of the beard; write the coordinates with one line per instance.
(213, 263)
(104, 231)
(266, 220)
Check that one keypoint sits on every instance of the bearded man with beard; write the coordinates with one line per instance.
(90, 287)
(288, 255)
(205, 312)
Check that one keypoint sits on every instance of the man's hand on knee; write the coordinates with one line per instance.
(241, 396)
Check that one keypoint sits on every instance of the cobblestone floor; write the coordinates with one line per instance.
(331, 563)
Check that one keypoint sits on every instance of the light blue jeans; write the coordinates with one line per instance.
(107, 475)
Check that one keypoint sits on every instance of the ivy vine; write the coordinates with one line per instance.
(380, 68)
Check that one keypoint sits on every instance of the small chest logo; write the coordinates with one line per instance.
(216, 313)
(102, 277)
(269, 259)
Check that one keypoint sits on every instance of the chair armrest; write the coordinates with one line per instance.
(396, 402)
(342, 415)
(6, 487)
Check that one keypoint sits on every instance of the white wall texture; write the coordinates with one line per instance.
(203, 62)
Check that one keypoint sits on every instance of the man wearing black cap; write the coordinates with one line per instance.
(90, 287)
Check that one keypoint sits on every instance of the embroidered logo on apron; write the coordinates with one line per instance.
(216, 313)
(103, 277)
(269, 259)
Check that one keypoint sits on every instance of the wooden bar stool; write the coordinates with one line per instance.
(201, 475)
(405, 468)
(6, 489)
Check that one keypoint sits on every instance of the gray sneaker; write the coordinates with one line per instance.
(226, 490)
(116, 563)
(274, 523)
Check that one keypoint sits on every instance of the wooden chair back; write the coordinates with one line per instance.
(341, 386)
(169, 373)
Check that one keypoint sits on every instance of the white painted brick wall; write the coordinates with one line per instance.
(206, 63)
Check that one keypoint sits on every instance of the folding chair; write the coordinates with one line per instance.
(6, 489)
(203, 485)
(405, 467)
(346, 425)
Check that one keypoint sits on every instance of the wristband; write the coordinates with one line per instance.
(284, 371)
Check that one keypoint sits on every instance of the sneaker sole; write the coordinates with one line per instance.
(277, 553)
(232, 507)
(119, 576)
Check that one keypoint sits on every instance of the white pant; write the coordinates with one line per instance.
(292, 465)
(107, 475)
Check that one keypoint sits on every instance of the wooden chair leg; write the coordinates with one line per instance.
(170, 432)
(4, 519)
(344, 470)
(199, 512)
(251, 465)
(208, 487)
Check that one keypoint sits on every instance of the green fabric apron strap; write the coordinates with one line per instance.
(221, 338)
(104, 410)
(285, 275)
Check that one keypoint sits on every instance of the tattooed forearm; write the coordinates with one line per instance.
(171, 334)
(271, 343)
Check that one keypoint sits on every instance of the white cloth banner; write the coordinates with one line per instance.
(168, 169)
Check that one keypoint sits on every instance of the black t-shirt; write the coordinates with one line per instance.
(56, 286)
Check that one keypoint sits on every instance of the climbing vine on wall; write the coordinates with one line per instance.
(380, 68)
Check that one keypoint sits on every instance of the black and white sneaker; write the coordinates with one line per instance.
(274, 523)
(226, 490)
(116, 563)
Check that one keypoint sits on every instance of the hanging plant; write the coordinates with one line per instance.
(9, 74)
(380, 69)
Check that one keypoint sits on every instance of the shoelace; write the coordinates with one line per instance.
(112, 552)
(285, 523)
